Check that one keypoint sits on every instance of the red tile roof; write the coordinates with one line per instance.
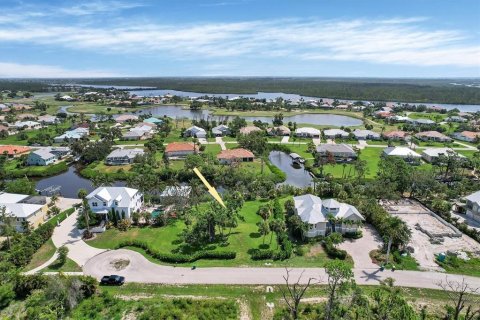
(470, 134)
(180, 146)
(12, 150)
(235, 154)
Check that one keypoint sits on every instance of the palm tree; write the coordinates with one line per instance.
(54, 199)
(393, 228)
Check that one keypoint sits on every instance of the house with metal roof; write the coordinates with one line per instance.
(432, 136)
(196, 132)
(221, 130)
(153, 120)
(41, 157)
(341, 152)
(25, 209)
(120, 157)
(72, 135)
(307, 132)
(335, 133)
(278, 131)
(121, 200)
(433, 155)
(366, 134)
(401, 152)
(324, 216)
(473, 206)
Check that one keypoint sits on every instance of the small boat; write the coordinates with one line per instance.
(296, 159)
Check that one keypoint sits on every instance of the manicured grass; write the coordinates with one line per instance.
(15, 139)
(385, 143)
(231, 145)
(69, 266)
(42, 255)
(300, 149)
(469, 153)
(14, 169)
(243, 238)
(435, 144)
(435, 116)
(213, 149)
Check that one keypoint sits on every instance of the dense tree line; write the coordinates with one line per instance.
(354, 89)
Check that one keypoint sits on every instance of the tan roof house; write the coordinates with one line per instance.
(235, 155)
(432, 136)
(249, 129)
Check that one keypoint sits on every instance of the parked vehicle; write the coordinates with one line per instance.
(112, 280)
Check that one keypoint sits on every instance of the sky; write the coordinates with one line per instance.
(311, 38)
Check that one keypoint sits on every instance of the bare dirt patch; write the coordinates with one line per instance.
(120, 264)
(315, 250)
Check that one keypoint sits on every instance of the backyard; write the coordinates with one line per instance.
(243, 239)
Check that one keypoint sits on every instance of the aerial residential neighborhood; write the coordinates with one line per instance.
(224, 159)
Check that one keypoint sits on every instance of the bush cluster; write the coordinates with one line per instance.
(178, 257)
(285, 249)
(332, 251)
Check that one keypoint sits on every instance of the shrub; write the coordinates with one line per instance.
(124, 225)
(353, 235)
(178, 257)
(62, 255)
(262, 254)
(6, 295)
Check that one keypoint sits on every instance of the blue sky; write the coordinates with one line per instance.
(344, 38)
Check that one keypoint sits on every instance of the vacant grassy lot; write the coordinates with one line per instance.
(242, 240)
(42, 255)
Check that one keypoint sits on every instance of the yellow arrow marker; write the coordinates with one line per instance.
(211, 189)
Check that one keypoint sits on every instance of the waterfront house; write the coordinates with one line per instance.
(25, 209)
(178, 150)
(473, 206)
(421, 122)
(195, 132)
(335, 133)
(340, 152)
(41, 157)
(307, 132)
(126, 117)
(153, 120)
(120, 157)
(249, 129)
(221, 130)
(324, 216)
(456, 119)
(235, 155)
(72, 135)
(121, 200)
(278, 131)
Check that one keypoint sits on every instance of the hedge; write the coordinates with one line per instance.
(280, 176)
(259, 254)
(333, 252)
(178, 257)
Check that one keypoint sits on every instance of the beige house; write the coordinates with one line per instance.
(32, 209)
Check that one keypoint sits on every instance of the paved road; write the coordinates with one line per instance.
(140, 269)
(68, 234)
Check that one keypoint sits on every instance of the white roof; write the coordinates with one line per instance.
(308, 130)
(365, 133)
(474, 197)
(6, 197)
(312, 209)
(109, 193)
(21, 124)
(436, 152)
(335, 132)
(195, 129)
(44, 154)
(121, 153)
(401, 152)
(21, 210)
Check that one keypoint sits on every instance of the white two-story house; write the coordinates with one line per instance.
(473, 206)
(325, 216)
(124, 201)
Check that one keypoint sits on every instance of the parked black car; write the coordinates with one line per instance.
(112, 280)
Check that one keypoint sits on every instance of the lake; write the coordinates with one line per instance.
(297, 177)
(305, 118)
(70, 181)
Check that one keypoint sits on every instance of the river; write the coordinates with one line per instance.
(297, 177)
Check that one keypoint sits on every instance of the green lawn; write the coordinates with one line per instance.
(435, 116)
(469, 153)
(243, 238)
(231, 145)
(213, 149)
(69, 266)
(385, 143)
(300, 149)
(42, 255)
(14, 169)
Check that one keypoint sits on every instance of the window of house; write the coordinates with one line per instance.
(104, 204)
(94, 204)
(116, 203)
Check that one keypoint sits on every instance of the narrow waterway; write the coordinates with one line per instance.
(297, 177)
(70, 182)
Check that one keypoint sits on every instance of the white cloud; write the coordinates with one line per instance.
(98, 7)
(404, 41)
(16, 70)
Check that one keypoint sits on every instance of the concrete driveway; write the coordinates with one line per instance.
(220, 141)
(359, 249)
(139, 269)
(68, 234)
